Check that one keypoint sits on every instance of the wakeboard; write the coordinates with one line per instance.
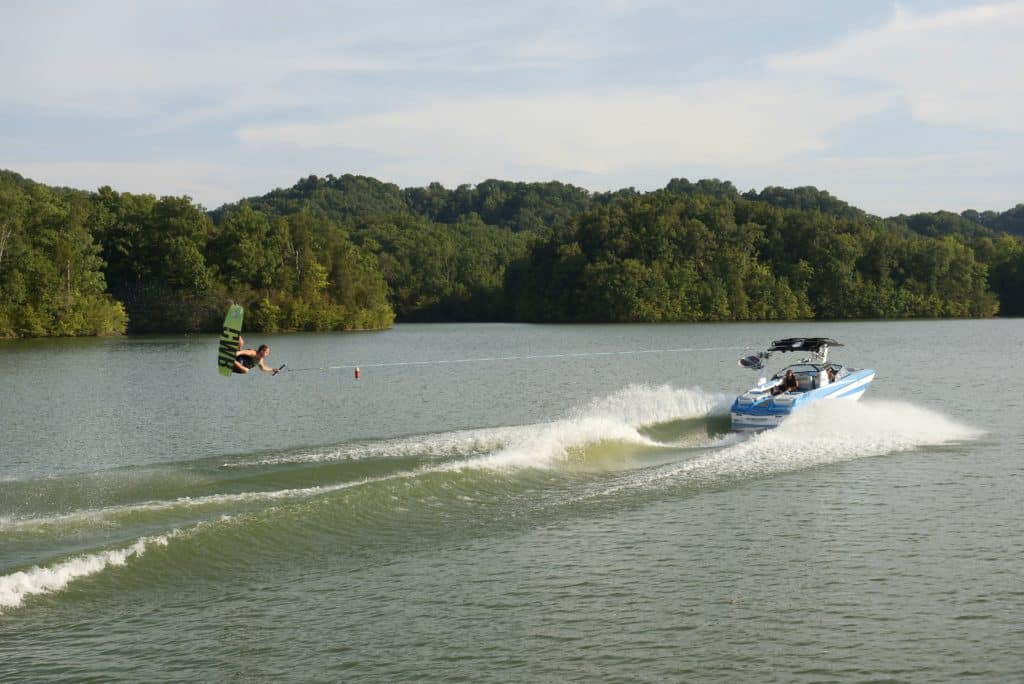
(229, 335)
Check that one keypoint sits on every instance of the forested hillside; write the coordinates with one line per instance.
(352, 252)
(51, 271)
(76, 263)
(667, 257)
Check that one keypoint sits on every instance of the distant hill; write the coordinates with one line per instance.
(806, 198)
(1011, 221)
(512, 205)
(354, 252)
(538, 207)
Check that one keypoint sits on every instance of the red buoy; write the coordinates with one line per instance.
(357, 373)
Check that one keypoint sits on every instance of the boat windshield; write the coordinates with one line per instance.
(799, 369)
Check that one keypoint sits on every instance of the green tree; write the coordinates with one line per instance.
(51, 273)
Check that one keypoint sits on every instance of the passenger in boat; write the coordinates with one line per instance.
(788, 383)
(831, 374)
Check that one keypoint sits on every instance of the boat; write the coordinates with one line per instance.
(768, 403)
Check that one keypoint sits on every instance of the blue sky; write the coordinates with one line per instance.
(892, 107)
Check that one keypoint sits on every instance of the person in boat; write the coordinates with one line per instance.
(788, 383)
(247, 359)
(831, 374)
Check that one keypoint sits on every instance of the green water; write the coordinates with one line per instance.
(511, 503)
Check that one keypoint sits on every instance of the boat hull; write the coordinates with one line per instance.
(758, 409)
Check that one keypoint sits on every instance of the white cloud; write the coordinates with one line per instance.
(732, 122)
(963, 67)
(123, 86)
(557, 47)
(115, 59)
(959, 68)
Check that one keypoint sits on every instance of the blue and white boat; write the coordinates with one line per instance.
(769, 402)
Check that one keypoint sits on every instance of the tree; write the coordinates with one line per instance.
(51, 273)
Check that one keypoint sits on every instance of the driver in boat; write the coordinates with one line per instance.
(788, 384)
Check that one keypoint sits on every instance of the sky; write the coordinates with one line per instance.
(892, 107)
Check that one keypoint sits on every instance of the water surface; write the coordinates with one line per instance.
(511, 502)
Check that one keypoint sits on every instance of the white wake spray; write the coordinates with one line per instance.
(446, 445)
(14, 588)
(616, 418)
(642, 405)
(825, 433)
(100, 516)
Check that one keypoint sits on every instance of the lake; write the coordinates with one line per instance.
(493, 503)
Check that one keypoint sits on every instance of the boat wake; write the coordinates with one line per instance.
(656, 440)
(823, 434)
(614, 432)
(17, 586)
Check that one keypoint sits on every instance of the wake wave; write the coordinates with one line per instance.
(98, 515)
(844, 430)
(826, 433)
(609, 435)
(603, 436)
(616, 418)
(14, 588)
(613, 420)
(448, 445)
(640, 405)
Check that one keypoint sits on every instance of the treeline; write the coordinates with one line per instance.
(51, 268)
(518, 207)
(352, 252)
(77, 263)
(667, 256)
(692, 251)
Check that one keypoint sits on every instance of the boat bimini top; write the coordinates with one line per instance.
(818, 346)
(814, 345)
